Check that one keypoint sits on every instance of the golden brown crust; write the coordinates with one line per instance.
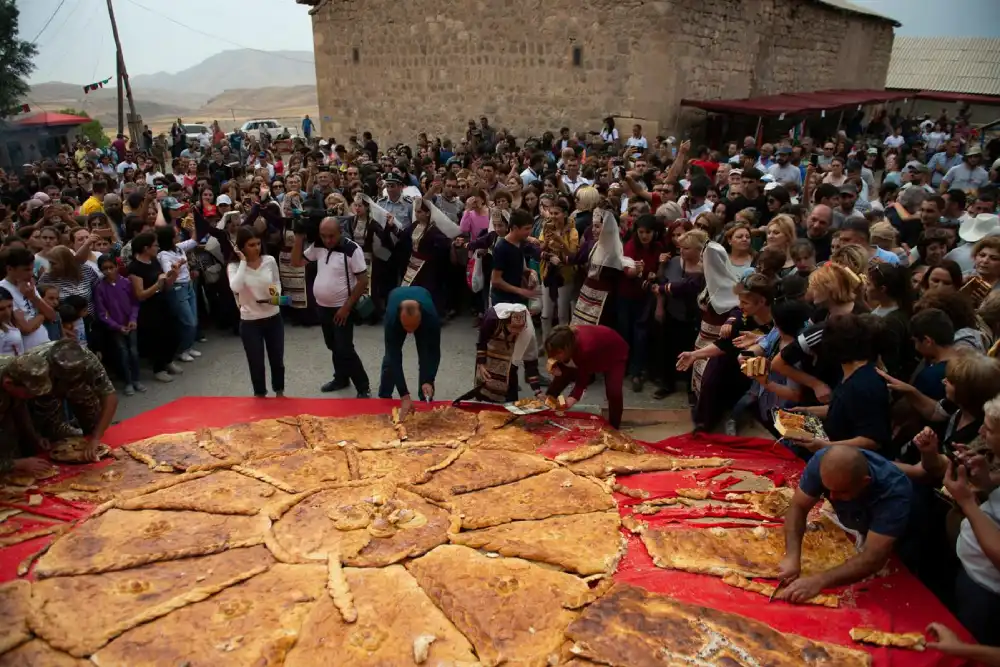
(581, 453)
(299, 471)
(119, 601)
(339, 589)
(552, 493)
(392, 614)
(72, 450)
(120, 539)
(405, 464)
(441, 424)
(751, 552)
(511, 610)
(631, 626)
(222, 492)
(260, 439)
(612, 462)
(15, 598)
(26, 535)
(122, 478)
(914, 641)
(359, 523)
(361, 431)
(478, 469)
(252, 623)
(36, 653)
(181, 452)
(739, 581)
(582, 543)
(425, 476)
(512, 438)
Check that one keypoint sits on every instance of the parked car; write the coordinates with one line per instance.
(200, 132)
(276, 130)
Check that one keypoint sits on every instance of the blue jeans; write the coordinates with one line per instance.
(184, 307)
(127, 346)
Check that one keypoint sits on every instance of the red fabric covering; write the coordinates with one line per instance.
(898, 602)
(941, 96)
(50, 119)
(797, 103)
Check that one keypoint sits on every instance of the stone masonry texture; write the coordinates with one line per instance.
(399, 67)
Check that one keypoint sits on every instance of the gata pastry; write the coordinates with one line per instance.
(120, 539)
(634, 627)
(441, 424)
(511, 610)
(36, 653)
(181, 452)
(392, 614)
(260, 439)
(549, 494)
(738, 581)
(610, 462)
(221, 492)
(914, 641)
(71, 450)
(252, 623)
(754, 367)
(403, 464)
(14, 601)
(116, 602)
(582, 543)
(100, 484)
(299, 471)
(368, 525)
(515, 438)
(361, 431)
(751, 552)
(477, 469)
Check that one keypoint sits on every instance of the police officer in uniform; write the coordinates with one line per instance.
(47, 376)
(400, 207)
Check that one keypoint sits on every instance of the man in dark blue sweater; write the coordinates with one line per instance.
(410, 310)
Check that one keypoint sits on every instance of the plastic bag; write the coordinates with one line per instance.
(474, 273)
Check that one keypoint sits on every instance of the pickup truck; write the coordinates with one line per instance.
(252, 128)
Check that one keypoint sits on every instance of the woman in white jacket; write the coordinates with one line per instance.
(256, 284)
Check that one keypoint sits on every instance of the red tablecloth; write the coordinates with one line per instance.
(898, 602)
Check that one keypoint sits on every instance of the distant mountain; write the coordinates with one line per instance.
(238, 68)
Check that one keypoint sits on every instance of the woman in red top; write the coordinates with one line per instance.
(592, 349)
(635, 301)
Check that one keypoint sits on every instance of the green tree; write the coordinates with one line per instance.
(92, 130)
(15, 60)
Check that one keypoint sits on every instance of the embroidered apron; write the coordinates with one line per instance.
(589, 305)
(416, 262)
(499, 354)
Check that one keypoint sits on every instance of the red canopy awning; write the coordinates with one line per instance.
(942, 96)
(797, 103)
(50, 119)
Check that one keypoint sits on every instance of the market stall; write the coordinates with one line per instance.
(352, 525)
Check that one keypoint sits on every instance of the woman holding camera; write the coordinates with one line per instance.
(254, 280)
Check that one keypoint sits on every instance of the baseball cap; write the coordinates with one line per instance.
(262, 154)
(785, 150)
(30, 371)
(171, 203)
(223, 200)
(873, 151)
(848, 189)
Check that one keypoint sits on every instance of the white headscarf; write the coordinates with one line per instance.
(380, 216)
(504, 311)
(608, 250)
(438, 218)
(720, 278)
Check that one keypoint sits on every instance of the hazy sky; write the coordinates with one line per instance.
(77, 46)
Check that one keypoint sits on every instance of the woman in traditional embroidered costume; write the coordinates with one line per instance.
(427, 244)
(376, 241)
(717, 302)
(605, 262)
(506, 339)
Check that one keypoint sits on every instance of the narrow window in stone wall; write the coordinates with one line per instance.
(577, 56)
(356, 55)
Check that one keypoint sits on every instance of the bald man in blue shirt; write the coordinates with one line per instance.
(410, 310)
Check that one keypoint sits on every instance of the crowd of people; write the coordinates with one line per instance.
(865, 270)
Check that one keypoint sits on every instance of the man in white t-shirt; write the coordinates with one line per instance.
(341, 280)
(894, 140)
(30, 311)
(637, 140)
(572, 178)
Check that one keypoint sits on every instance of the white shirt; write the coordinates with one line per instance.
(11, 342)
(573, 186)
(253, 285)
(611, 136)
(706, 207)
(979, 568)
(894, 141)
(962, 255)
(152, 177)
(333, 286)
(167, 258)
(268, 166)
(39, 335)
(637, 142)
(122, 166)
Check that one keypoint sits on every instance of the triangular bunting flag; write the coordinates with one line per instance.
(25, 108)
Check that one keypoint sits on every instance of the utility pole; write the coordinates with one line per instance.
(134, 119)
(121, 98)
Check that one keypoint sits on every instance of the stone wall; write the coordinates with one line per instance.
(398, 67)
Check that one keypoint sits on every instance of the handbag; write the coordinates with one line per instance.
(363, 307)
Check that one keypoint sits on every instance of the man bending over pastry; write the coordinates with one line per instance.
(578, 352)
(410, 310)
(61, 372)
(870, 496)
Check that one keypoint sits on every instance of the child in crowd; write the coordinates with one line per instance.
(117, 308)
(69, 318)
(11, 342)
(50, 294)
(803, 253)
(78, 304)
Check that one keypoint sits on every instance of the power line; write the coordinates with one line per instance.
(218, 37)
(58, 7)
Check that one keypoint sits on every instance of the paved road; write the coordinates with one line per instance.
(222, 371)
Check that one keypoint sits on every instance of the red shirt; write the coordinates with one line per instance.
(598, 350)
(631, 288)
(709, 167)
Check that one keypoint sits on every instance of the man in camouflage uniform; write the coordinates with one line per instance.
(61, 371)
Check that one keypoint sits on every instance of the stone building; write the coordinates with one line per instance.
(398, 67)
